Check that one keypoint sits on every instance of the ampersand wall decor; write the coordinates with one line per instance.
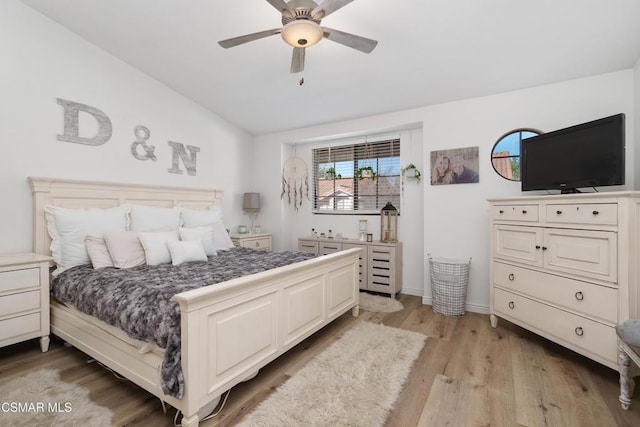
(142, 136)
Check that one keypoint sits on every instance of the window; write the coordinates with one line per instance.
(505, 155)
(336, 188)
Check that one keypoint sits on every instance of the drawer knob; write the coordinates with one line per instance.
(512, 305)
(559, 212)
(501, 211)
(524, 212)
(537, 246)
(511, 277)
(579, 331)
(544, 248)
(595, 212)
(579, 296)
(257, 244)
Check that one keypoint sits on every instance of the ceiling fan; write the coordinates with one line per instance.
(301, 29)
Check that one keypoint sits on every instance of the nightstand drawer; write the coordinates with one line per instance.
(258, 241)
(20, 325)
(19, 279)
(17, 303)
(264, 244)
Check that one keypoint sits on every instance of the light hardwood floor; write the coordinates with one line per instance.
(468, 374)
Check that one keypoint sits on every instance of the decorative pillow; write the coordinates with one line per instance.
(155, 246)
(69, 227)
(202, 234)
(202, 217)
(186, 251)
(98, 252)
(148, 218)
(221, 239)
(125, 249)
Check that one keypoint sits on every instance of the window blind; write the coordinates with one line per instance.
(336, 186)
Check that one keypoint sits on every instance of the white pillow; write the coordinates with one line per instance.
(221, 239)
(201, 217)
(202, 234)
(147, 218)
(98, 252)
(187, 251)
(155, 246)
(69, 227)
(125, 249)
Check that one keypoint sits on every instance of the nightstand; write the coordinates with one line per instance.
(24, 299)
(260, 241)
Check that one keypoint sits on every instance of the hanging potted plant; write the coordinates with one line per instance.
(365, 172)
(411, 172)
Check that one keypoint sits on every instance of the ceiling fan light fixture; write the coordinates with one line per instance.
(302, 33)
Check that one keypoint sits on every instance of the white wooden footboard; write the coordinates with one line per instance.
(232, 330)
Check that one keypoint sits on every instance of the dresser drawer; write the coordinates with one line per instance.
(19, 279)
(17, 303)
(21, 325)
(380, 253)
(526, 213)
(583, 213)
(308, 246)
(329, 248)
(592, 300)
(362, 257)
(587, 335)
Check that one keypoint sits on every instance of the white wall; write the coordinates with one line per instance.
(43, 61)
(454, 218)
(636, 122)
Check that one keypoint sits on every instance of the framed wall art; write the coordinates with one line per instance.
(455, 166)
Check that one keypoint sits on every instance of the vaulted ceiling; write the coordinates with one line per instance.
(428, 52)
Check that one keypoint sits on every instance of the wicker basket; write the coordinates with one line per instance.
(449, 282)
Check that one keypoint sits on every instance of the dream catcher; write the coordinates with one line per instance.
(295, 182)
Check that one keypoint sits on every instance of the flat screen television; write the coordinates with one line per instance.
(586, 155)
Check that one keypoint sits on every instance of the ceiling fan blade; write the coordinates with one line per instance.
(362, 44)
(297, 61)
(248, 38)
(327, 7)
(282, 7)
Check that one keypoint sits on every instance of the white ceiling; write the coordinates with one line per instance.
(429, 52)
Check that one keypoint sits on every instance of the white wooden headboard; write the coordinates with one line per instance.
(91, 194)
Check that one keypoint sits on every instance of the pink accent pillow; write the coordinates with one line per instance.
(125, 249)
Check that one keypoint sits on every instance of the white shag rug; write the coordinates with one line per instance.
(379, 304)
(42, 399)
(354, 382)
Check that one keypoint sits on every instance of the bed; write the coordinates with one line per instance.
(229, 330)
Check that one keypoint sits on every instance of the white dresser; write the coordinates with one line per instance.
(566, 267)
(380, 263)
(24, 299)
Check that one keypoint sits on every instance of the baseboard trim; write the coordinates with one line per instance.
(414, 292)
(474, 308)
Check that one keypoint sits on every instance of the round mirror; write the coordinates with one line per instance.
(505, 155)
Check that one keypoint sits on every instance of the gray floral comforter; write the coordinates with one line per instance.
(140, 300)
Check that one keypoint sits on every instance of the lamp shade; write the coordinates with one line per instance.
(251, 202)
(302, 33)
